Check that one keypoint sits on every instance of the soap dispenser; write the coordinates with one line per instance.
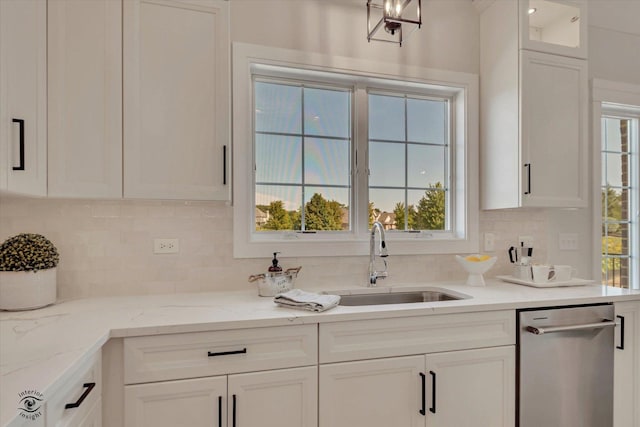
(274, 268)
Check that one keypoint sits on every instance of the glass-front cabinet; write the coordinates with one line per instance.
(554, 26)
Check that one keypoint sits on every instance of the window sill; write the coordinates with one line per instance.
(307, 246)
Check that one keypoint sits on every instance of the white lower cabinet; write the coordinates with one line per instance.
(278, 398)
(78, 402)
(472, 388)
(382, 392)
(195, 402)
(626, 390)
(458, 388)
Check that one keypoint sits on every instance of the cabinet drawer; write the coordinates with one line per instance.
(199, 354)
(366, 339)
(80, 392)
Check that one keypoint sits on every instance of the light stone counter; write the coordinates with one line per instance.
(39, 348)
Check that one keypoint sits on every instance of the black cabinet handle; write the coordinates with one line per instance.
(233, 412)
(433, 392)
(21, 123)
(226, 353)
(224, 165)
(89, 387)
(219, 411)
(528, 166)
(621, 346)
(423, 411)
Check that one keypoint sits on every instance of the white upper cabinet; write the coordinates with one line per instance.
(534, 112)
(554, 26)
(176, 99)
(85, 98)
(23, 92)
(554, 127)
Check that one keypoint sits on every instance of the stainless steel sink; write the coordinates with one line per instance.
(396, 297)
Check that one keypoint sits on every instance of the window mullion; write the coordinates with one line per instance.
(361, 168)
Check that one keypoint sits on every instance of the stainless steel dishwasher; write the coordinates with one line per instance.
(565, 367)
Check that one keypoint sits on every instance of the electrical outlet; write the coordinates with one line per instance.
(568, 241)
(489, 242)
(165, 246)
(526, 241)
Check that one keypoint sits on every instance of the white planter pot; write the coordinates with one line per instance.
(26, 290)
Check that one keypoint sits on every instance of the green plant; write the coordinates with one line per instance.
(28, 252)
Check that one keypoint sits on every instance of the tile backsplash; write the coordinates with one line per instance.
(106, 247)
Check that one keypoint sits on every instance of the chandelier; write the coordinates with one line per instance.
(394, 13)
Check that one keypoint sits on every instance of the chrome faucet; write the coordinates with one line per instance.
(373, 274)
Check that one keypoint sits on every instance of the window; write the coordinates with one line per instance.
(320, 152)
(409, 162)
(619, 196)
(302, 152)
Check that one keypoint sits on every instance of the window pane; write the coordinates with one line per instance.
(426, 165)
(278, 159)
(615, 204)
(326, 161)
(277, 207)
(386, 201)
(326, 208)
(386, 164)
(327, 112)
(386, 118)
(426, 121)
(611, 134)
(278, 108)
(614, 169)
(430, 209)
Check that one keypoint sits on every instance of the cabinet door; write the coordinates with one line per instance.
(279, 398)
(553, 107)
(93, 417)
(176, 99)
(383, 392)
(85, 98)
(23, 91)
(197, 402)
(471, 388)
(626, 382)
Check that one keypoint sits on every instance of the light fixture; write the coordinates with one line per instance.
(532, 10)
(394, 14)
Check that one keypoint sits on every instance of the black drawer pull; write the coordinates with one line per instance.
(226, 353)
(224, 165)
(528, 166)
(423, 411)
(219, 411)
(89, 387)
(21, 123)
(433, 392)
(233, 412)
(621, 346)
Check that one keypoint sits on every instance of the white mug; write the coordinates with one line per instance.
(543, 273)
(563, 273)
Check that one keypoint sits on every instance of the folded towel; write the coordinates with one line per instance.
(296, 298)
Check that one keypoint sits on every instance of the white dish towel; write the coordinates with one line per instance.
(296, 298)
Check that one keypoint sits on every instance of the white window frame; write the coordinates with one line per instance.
(250, 59)
(609, 98)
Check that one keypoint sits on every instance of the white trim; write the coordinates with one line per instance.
(246, 56)
(605, 92)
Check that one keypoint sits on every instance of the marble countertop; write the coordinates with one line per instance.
(39, 348)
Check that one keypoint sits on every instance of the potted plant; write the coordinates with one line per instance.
(27, 272)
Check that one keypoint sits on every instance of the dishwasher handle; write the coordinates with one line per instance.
(550, 329)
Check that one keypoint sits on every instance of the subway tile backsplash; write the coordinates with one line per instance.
(106, 247)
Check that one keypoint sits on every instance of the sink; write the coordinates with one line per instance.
(394, 296)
